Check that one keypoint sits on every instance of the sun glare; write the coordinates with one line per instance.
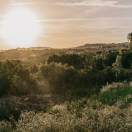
(20, 28)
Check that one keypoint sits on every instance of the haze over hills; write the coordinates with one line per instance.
(39, 54)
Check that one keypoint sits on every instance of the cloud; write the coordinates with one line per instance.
(97, 3)
(84, 19)
(21, 3)
(62, 20)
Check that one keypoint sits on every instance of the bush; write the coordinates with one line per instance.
(116, 94)
(64, 79)
(15, 79)
(60, 77)
(126, 59)
(8, 110)
(74, 60)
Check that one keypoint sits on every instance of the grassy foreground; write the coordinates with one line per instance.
(109, 111)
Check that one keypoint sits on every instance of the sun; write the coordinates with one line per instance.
(20, 28)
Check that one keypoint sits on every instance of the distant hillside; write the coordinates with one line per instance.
(28, 55)
(101, 47)
(39, 54)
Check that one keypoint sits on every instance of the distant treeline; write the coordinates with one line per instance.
(66, 74)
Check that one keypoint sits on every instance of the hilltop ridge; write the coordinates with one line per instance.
(39, 54)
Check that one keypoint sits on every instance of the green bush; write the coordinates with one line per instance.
(60, 77)
(126, 59)
(15, 79)
(74, 60)
(115, 94)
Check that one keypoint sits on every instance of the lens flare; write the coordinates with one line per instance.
(20, 28)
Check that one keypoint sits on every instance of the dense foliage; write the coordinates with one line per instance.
(15, 79)
(86, 73)
(76, 74)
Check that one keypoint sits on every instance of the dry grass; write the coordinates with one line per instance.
(84, 115)
(60, 119)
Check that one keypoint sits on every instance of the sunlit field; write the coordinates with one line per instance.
(67, 93)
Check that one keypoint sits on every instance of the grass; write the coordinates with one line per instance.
(5, 127)
(113, 95)
(107, 112)
(60, 119)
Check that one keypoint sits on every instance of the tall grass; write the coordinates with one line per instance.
(59, 119)
(81, 115)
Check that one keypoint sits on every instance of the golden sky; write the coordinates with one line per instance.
(69, 23)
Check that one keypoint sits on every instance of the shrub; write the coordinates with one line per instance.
(8, 109)
(74, 60)
(60, 77)
(126, 59)
(15, 79)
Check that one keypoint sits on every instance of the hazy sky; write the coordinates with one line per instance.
(68, 23)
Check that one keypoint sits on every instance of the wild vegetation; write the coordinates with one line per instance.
(68, 93)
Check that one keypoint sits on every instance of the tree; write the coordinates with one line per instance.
(129, 37)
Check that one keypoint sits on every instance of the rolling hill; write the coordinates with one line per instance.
(40, 54)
